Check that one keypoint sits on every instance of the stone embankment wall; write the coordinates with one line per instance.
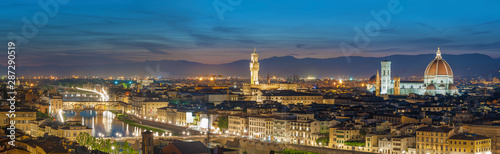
(267, 146)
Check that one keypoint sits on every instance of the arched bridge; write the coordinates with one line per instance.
(79, 96)
(98, 106)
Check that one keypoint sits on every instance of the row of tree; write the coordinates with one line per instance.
(100, 144)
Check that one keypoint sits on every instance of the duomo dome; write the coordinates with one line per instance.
(438, 66)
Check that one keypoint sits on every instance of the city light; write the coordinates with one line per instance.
(400, 93)
(61, 116)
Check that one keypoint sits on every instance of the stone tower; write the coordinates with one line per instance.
(254, 68)
(147, 142)
(386, 77)
(397, 90)
(377, 85)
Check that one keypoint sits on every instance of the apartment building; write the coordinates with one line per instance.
(22, 119)
(433, 140)
(258, 127)
(237, 125)
(469, 144)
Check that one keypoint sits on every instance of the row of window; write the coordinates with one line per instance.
(432, 134)
(471, 143)
(6, 121)
(432, 140)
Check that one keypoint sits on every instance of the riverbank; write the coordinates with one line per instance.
(177, 130)
(124, 118)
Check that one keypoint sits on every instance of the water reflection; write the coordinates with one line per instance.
(106, 124)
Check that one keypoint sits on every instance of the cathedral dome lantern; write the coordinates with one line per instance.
(438, 66)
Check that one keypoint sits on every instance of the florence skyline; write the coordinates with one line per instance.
(111, 33)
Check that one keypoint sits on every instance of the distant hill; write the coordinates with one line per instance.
(466, 65)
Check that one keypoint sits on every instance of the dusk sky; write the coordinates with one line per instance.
(100, 32)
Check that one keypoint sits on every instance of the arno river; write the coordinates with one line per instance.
(105, 125)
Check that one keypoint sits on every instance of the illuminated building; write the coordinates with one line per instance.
(304, 130)
(56, 104)
(258, 127)
(150, 107)
(395, 145)
(386, 77)
(438, 79)
(237, 124)
(397, 88)
(22, 119)
(281, 129)
(433, 140)
(286, 97)
(377, 85)
(470, 144)
(254, 86)
(168, 115)
(254, 69)
(69, 131)
(341, 134)
(487, 130)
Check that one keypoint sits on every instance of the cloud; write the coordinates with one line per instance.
(385, 50)
(488, 23)
(431, 41)
(426, 26)
(225, 29)
(320, 45)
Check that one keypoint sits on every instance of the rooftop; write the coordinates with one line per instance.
(435, 129)
(471, 137)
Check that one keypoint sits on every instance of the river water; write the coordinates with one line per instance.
(106, 124)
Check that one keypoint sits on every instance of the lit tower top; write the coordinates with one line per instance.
(254, 68)
(438, 54)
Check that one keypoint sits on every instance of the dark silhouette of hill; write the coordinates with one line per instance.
(466, 65)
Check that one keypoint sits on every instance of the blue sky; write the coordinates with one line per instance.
(106, 31)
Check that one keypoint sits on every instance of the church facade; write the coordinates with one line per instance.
(438, 79)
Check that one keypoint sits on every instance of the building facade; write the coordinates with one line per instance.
(433, 140)
(438, 79)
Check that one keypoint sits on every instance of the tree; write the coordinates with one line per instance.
(46, 110)
(100, 144)
(223, 122)
(362, 132)
(323, 140)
